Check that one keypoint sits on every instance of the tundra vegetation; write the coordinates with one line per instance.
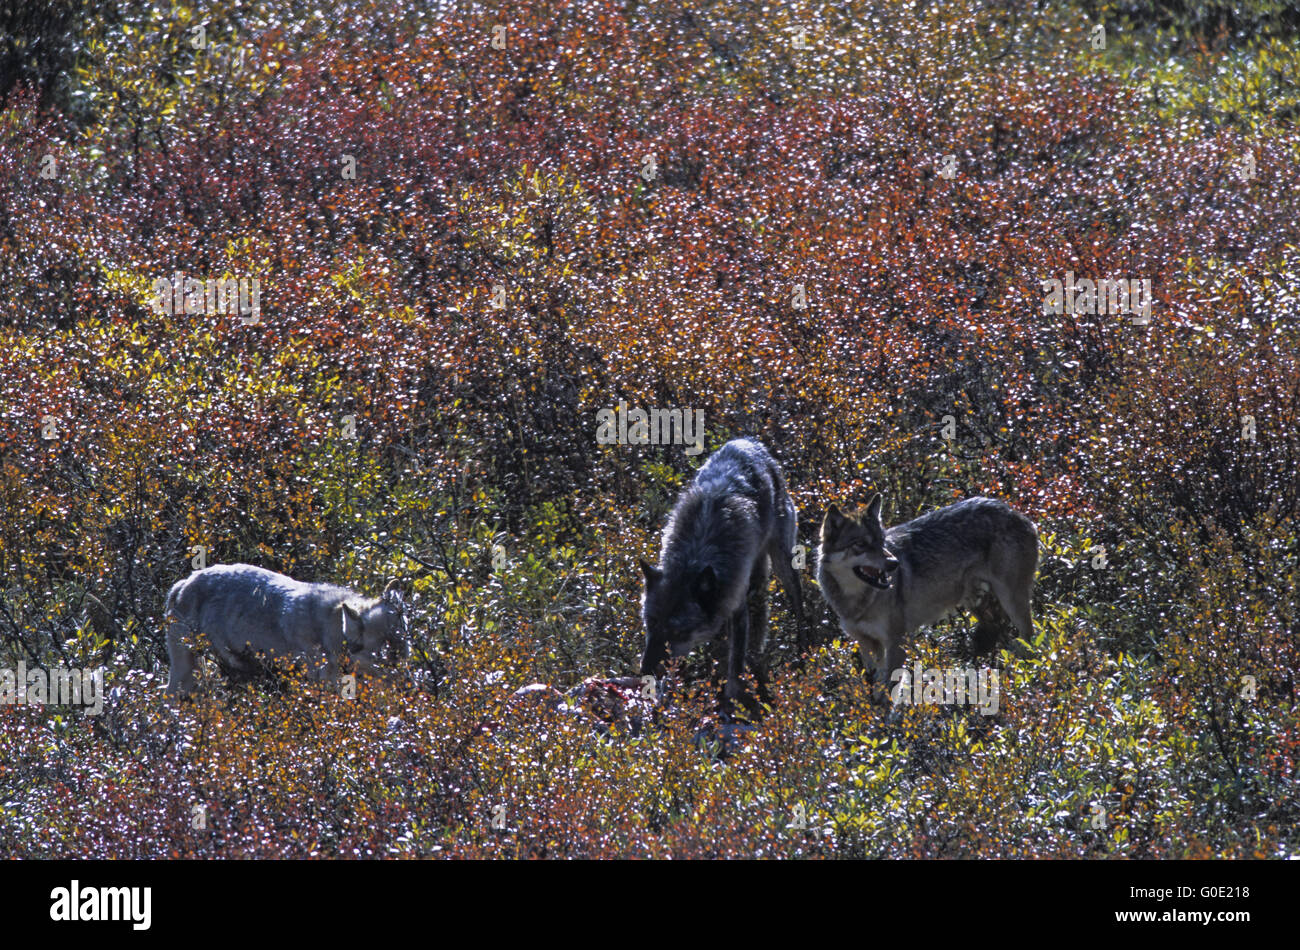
(470, 241)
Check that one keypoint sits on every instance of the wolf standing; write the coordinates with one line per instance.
(884, 584)
(728, 530)
(246, 609)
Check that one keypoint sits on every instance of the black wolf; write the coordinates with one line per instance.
(727, 532)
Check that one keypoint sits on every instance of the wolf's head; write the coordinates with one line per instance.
(681, 608)
(370, 624)
(854, 546)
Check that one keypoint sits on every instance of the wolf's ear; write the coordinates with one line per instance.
(873, 507)
(652, 573)
(833, 518)
(348, 619)
(392, 594)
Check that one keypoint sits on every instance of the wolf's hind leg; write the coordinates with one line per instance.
(756, 600)
(739, 624)
(1015, 601)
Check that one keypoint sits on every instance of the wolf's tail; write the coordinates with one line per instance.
(169, 608)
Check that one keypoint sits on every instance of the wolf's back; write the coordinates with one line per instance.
(728, 513)
(743, 467)
(983, 527)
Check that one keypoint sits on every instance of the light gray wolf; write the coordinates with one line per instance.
(246, 610)
(728, 531)
(883, 584)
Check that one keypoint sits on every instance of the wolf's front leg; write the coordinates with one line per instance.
(880, 660)
(739, 624)
(891, 658)
(181, 657)
(320, 664)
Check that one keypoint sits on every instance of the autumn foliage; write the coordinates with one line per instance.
(826, 225)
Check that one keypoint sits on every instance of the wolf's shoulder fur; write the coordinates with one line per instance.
(722, 518)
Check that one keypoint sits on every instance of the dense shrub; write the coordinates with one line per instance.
(627, 202)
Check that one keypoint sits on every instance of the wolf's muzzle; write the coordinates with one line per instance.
(874, 576)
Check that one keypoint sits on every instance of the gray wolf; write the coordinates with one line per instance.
(246, 610)
(729, 529)
(883, 584)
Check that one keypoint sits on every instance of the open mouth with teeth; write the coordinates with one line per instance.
(870, 575)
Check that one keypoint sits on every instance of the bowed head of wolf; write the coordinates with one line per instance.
(727, 532)
(883, 584)
(246, 610)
